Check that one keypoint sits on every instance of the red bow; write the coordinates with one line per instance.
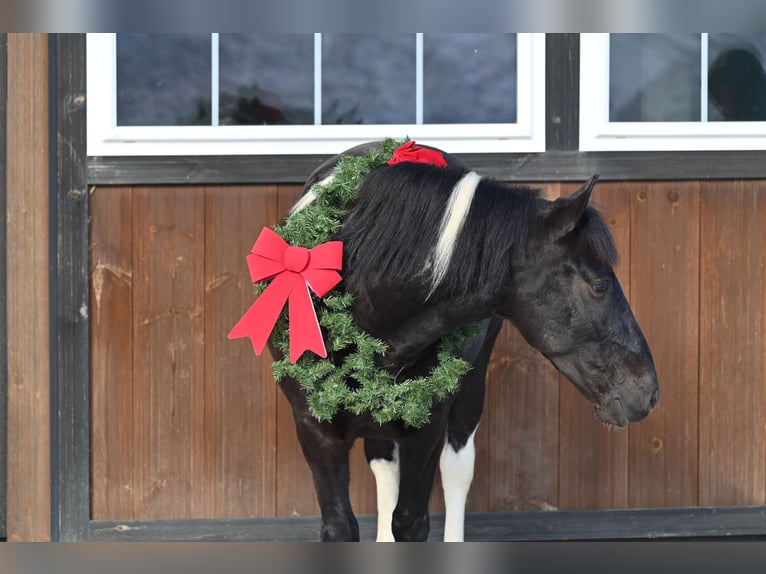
(415, 153)
(294, 270)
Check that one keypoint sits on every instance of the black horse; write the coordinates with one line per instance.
(431, 249)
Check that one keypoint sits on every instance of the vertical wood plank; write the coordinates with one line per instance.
(168, 365)
(665, 300)
(240, 392)
(3, 285)
(732, 395)
(111, 365)
(71, 479)
(28, 481)
(593, 469)
(522, 421)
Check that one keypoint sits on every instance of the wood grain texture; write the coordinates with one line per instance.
(71, 483)
(744, 523)
(111, 366)
(732, 392)
(664, 260)
(240, 393)
(522, 421)
(3, 286)
(553, 165)
(593, 460)
(168, 351)
(28, 484)
(211, 436)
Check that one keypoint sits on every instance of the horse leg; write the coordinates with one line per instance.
(459, 454)
(418, 458)
(383, 458)
(327, 456)
(456, 465)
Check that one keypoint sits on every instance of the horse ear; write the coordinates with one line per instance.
(566, 211)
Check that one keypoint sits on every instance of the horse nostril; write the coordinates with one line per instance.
(654, 399)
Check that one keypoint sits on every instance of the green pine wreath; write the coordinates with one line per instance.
(376, 390)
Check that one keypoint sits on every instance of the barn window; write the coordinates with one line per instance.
(218, 94)
(672, 92)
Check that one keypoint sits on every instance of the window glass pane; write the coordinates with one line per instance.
(368, 78)
(266, 79)
(163, 79)
(469, 78)
(654, 77)
(736, 78)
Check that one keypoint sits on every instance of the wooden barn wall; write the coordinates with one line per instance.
(27, 258)
(186, 424)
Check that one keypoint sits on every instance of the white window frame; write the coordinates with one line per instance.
(597, 133)
(106, 138)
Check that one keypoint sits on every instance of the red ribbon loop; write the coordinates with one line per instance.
(294, 270)
(417, 154)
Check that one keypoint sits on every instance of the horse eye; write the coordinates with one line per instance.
(600, 287)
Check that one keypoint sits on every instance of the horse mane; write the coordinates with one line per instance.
(393, 227)
(391, 230)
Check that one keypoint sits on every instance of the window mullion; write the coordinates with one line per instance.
(317, 79)
(214, 79)
(703, 77)
(419, 78)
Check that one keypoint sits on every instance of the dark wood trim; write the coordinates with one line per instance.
(644, 524)
(3, 293)
(562, 91)
(555, 165)
(200, 169)
(71, 376)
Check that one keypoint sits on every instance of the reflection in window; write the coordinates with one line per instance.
(659, 77)
(736, 78)
(163, 79)
(307, 79)
(654, 77)
(469, 78)
(368, 78)
(266, 79)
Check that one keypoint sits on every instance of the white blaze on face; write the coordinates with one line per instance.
(387, 486)
(457, 473)
(452, 223)
(309, 197)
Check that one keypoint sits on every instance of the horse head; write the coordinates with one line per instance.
(566, 301)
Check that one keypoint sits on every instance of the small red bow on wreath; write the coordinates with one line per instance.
(294, 270)
(417, 154)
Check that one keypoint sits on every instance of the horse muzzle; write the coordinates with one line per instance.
(620, 411)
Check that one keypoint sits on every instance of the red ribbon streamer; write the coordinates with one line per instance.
(294, 270)
(417, 154)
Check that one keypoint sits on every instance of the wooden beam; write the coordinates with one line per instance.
(3, 307)
(644, 524)
(27, 289)
(553, 165)
(71, 484)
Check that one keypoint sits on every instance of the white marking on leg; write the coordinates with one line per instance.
(387, 486)
(309, 197)
(457, 473)
(452, 222)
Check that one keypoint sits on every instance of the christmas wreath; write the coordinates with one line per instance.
(299, 255)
